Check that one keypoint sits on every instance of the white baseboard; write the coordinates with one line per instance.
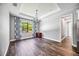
(12, 40)
(53, 39)
(21, 38)
(58, 41)
(7, 49)
(26, 37)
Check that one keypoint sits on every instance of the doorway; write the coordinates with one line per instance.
(67, 26)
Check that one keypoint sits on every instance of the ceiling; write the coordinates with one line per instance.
(44, 9)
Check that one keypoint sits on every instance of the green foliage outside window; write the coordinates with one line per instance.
(26, 26)
(29, 27)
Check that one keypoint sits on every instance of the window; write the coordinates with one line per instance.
(26, 26)
(29, 27)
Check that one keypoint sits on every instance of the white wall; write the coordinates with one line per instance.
(5, 10)
(12, 29)
(50, 26)
(4, 29)
(75, 28)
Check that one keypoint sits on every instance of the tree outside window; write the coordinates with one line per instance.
(26, 26)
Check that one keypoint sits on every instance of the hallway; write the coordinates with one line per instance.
(38, 47)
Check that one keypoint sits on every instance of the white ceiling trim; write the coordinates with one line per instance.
(43, 15)
(47, 14)
(21, 13)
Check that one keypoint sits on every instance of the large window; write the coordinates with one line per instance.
(26, 26)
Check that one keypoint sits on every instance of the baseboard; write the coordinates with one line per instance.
(52, 39)
(59, 41)
(7, 49)
(20, 39)
(12, 40)
(26, 38)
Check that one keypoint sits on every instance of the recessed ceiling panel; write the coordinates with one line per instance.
(43, 8)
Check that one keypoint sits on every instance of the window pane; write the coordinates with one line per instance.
(24, 26)
(29, 27)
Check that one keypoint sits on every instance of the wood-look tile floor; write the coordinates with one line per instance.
(38, 47)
